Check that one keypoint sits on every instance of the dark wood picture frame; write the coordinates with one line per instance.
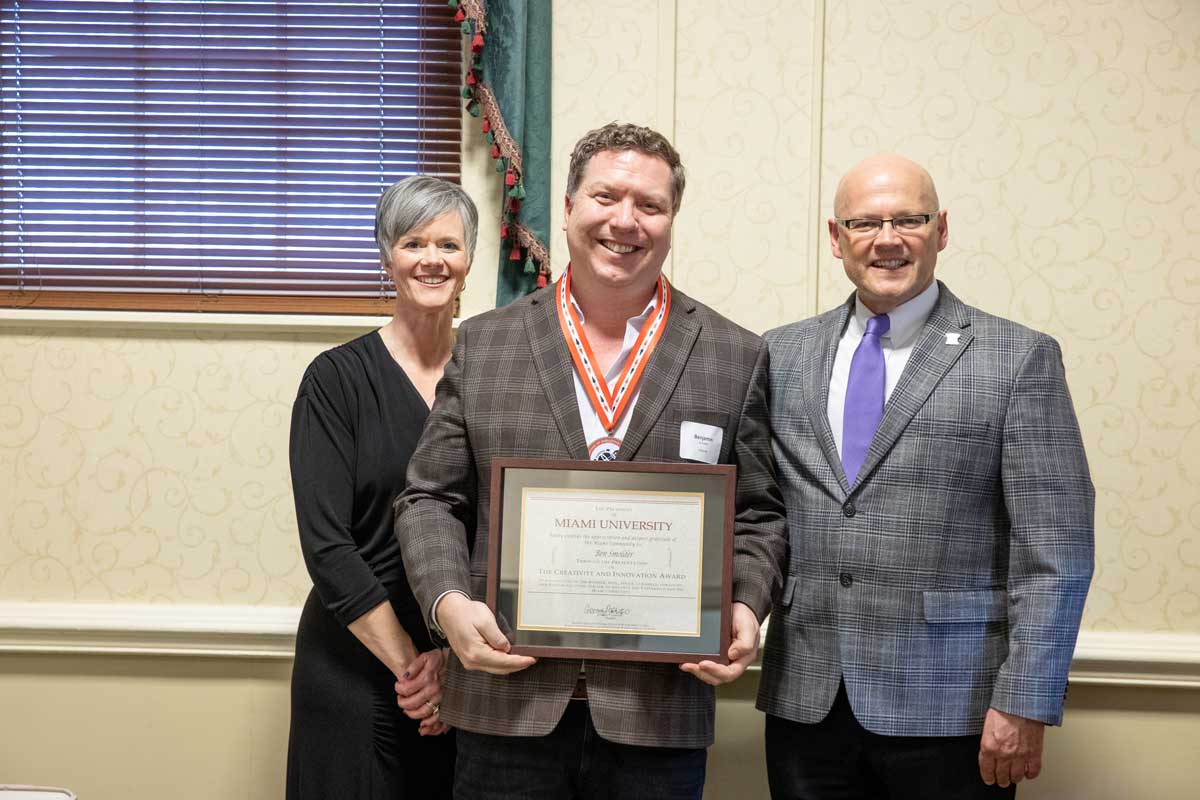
(712, 644)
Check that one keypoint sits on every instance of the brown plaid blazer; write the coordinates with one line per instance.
(509, 391)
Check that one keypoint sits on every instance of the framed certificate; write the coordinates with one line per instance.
(612, 560)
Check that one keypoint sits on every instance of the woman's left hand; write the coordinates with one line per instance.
(419, 691)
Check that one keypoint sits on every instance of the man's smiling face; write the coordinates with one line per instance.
(618, 222)
(891, 267)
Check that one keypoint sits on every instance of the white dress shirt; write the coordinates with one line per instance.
(907, 320)
(593, 429)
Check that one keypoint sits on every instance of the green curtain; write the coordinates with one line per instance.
(507, 85)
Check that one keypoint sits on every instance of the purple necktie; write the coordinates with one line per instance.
(864, 397)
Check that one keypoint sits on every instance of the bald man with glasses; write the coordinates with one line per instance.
(940, 512)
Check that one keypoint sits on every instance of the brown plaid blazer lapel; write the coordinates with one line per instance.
(553, 363)
(662, 374)
(555, 369)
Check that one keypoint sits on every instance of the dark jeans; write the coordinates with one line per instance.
(573, 761)
(838, 759)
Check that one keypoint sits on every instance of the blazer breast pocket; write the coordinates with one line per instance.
(974, 605)
(950, 428)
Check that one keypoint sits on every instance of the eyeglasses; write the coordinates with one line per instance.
(908, 223)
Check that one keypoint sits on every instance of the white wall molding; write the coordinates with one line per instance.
(1133, 658)
(1118, 658)
(149, 629)
(1111, 658)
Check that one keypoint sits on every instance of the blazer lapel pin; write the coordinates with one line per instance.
(952, 338)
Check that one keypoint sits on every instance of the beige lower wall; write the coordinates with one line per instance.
(143, 727)
(1117, 743)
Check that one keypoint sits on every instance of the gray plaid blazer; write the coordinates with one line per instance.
(509, 391)
(952, 576)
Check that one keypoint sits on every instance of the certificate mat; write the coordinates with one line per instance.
(601, 560)
(612, 560)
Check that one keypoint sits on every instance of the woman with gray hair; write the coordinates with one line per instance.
(366, 681)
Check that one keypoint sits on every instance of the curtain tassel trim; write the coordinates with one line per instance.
(522, 243)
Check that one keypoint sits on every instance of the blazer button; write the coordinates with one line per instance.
(846, 579)
(848, 509)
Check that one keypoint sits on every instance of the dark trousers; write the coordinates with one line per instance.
(573, 761)
(838, 759)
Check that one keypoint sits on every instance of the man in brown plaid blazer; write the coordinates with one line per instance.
(559, 728)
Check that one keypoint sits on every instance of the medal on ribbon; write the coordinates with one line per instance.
(610, 406)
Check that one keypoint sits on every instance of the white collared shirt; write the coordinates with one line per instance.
(907, 321)
(593, 428)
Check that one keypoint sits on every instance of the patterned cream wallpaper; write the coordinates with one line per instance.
(743, 126)
(151, 465)
(612, 62)
(1065, 141)
(142, 465)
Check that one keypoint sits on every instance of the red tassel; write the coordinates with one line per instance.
(514, 205)
(510, 179)
(542, 280)
(495, 151)
(487, 125)
(477, 43)
(504, 230)
(471, 79)
(460, 15)
(515, 255)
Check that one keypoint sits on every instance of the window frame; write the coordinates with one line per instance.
(195, 299)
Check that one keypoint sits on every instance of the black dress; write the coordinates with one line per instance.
(355, 424)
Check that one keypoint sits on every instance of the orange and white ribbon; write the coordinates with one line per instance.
(611, 406)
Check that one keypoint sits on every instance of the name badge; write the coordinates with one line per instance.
(699, 442)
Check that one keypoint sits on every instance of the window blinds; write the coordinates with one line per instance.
(226, 155)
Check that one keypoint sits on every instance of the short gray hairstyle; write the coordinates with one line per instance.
(412, 202)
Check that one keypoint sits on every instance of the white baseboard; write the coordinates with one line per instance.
(1111, 658)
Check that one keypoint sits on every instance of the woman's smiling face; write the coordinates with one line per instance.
(428, 264)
